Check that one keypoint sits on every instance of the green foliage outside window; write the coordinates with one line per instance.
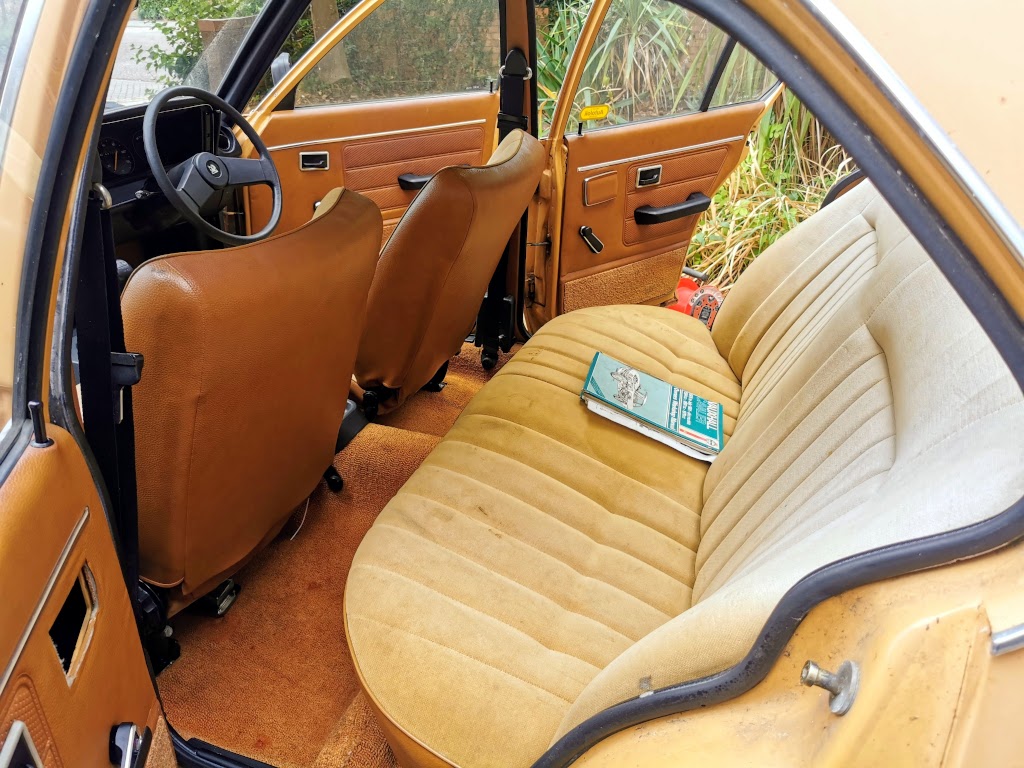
(409, 48)
(178, 21)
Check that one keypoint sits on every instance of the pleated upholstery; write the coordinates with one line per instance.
(544, 564)
(528, 552)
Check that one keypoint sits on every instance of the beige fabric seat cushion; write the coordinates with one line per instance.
(544, 564)
(529, 551)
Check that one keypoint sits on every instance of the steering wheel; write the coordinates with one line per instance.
(200, 183)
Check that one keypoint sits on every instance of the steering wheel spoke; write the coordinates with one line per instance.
(195, 191)
(196, 187)
(246, 172)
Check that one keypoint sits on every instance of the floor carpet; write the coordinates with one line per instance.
(272, 679)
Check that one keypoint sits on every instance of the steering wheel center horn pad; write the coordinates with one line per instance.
(197, 187)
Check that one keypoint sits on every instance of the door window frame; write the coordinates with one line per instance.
(581, 57)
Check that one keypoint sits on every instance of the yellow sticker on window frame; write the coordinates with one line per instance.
(595, 112)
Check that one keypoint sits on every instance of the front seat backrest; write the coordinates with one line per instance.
(248, 354)
(434, 271)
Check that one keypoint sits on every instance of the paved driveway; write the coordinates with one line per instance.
(132, 83)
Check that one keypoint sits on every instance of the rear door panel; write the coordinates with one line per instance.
(54, 540)
(640, 264)
(368, 146)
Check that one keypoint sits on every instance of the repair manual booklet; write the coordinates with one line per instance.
(652, 407)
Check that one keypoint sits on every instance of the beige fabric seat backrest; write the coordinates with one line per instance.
(872, 402)
(544, 564)
(248, 354)
(435, 268)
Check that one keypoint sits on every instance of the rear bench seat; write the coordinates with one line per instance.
(544, 564)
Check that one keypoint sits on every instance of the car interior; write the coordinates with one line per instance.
(363, 543)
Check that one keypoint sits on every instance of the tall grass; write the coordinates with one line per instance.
(637, 67)
(791, 164)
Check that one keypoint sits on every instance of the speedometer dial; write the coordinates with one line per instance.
(115, 157)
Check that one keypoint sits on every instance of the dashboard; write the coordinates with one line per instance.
(182, 131)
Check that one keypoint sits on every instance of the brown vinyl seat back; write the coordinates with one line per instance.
(248, 354)
(434, 271)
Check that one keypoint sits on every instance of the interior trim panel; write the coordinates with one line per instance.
(663, 153)
(381, 134)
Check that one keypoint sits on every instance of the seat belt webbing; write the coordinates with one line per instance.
(107, 372)
(495, 326)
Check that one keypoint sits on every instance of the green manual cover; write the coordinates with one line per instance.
(646, 404)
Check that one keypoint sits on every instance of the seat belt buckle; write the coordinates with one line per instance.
(125, 368)
(125, 371)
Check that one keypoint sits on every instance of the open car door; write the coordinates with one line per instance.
(75, 688)
(652, 117)
(392, 93)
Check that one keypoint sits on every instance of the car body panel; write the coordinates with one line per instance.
(931, 691)
(958, 194)
(69, 713)
(957, 63)
(638, 264)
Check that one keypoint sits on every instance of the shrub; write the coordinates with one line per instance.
(178, 21)
(792, 163)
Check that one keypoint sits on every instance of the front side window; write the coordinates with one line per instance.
(178, 42)
(11, 13)
(409, 48)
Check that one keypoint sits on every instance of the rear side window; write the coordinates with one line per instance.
(651, 59)
(409, 48)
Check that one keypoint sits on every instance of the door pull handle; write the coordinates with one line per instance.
(411, 181)
(694, 204)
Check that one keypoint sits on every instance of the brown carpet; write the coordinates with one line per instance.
(435, 412)
(272, 679)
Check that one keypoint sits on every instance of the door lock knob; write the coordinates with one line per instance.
(593, 241)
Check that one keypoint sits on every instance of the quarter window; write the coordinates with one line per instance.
(409, 48)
